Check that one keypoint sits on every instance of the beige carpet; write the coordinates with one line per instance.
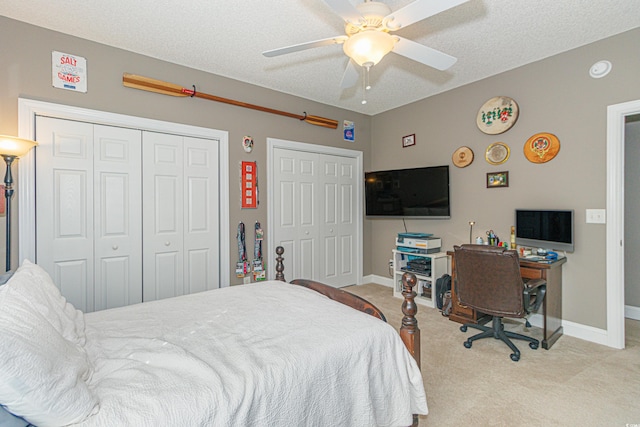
(575, 383)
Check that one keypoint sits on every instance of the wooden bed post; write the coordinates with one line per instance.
(409, 331)
(279, 264)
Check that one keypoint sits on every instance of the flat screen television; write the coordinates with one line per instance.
(402, 193)
(547, 229)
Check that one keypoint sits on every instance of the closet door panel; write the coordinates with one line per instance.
(118, 228)
(163, 218)
(201, 215)
(64, 207)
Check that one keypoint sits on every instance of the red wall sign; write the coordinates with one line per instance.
(249, 171)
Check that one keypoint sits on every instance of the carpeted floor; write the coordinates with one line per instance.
(575, 383)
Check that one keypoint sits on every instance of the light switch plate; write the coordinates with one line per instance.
(596, 216)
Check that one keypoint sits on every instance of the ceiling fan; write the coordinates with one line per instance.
(368, 26)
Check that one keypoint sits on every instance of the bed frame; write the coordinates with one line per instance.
(409, 331)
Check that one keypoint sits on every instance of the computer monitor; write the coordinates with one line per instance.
(546, 229)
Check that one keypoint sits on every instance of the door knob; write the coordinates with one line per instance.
(167, 243)
(114, 247)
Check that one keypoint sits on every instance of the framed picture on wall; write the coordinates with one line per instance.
(497, 179)
(409, 140)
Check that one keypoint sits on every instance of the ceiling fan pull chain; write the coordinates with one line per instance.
(364, 91)
(367, 68)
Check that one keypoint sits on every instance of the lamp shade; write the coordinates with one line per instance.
(368, 46)
(12, 146)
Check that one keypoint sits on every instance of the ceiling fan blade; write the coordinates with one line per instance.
(345, 10)
(423, 54)
(417, 11)
(304, 46)
(350, 76)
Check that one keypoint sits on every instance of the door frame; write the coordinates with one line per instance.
(274, 143)
(28, 109)
(616, 115)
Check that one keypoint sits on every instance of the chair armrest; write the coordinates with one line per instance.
(534, 291)
(534, 283)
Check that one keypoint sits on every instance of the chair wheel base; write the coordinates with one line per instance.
(463, 328)
(533, 345)
(515, 357)
(467, 344)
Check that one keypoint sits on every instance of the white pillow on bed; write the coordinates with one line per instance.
(36, 285)
(42, 373)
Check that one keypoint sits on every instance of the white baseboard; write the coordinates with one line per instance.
(632, 312)
(378, 280)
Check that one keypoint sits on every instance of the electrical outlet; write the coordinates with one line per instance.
(596, 216)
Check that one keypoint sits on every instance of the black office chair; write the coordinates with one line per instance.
(488, 279)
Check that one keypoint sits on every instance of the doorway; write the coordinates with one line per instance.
(315, 210)
(616, 119)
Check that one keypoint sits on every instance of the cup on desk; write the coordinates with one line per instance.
(479, 241)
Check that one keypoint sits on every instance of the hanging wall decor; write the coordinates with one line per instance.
(541, 147)
(497, 179)
(497, 153)
(69, 71)
(249, 188)
(497, 115)
(462, 157)
(247, 143)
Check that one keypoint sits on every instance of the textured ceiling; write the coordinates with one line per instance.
(227, 38)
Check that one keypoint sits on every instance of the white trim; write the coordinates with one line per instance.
(616, 115)
(632, 312)
(379, 280)
(272, 144)
(28, 110)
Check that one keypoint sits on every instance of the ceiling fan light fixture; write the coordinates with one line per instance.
(368, 46)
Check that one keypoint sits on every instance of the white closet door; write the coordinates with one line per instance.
(315, 204)
(337, 222)
(117, 213)
(181, 215)
(296, 211)
(201, 230)
(163, 216)
(84, 204)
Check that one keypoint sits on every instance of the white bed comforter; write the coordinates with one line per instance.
(266, 354)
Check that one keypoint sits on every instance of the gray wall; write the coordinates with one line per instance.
(26, 72)
(555, 95)
(631, 210)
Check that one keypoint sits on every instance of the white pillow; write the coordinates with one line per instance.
(42, 374)
(35, 284)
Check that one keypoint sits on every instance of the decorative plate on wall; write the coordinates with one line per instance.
(541, 147)
(462, 157)
(497, 153)
(497, 115)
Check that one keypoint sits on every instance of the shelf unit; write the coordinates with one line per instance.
(426, 286)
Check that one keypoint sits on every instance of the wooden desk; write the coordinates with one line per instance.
(551, 306)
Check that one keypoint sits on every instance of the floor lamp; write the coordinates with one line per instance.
(10, 149)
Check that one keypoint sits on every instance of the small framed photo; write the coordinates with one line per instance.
(409, 140)
(497, 179)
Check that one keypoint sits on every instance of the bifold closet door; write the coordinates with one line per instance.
(180, 215)
(88, 208)
(314, 206)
